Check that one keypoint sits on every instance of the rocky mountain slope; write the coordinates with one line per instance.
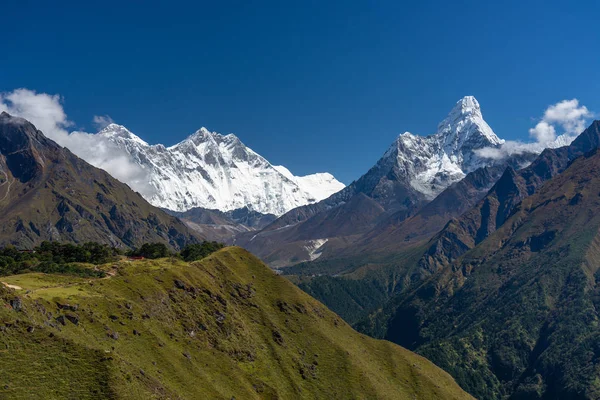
(47, 193)
(222, 328)
(394, 257)
(516, 315)
(215, 171)
(492, 211)
(223, 226)
(412, 172)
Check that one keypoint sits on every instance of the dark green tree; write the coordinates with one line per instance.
(197, 251)
(152, 251)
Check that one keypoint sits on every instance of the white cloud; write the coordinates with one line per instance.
(543, 132)
(46, 112)
(567, 116)
(102, 121)
(43, 110)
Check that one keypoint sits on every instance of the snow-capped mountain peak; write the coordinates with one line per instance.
(217, 171)
(198, 138)
(119, 131)
(468, 105)
(434, 162)
(465, 126)
(321, 185)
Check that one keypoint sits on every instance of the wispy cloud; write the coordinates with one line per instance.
(560, 124)
(102, 121)
(46, 112)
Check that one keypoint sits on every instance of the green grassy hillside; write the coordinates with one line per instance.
(221, 328)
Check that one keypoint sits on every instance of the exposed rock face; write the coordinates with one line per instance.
(16, 304)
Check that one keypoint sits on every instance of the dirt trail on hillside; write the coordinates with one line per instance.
(7, 181)
(12, 286)
(109, 274)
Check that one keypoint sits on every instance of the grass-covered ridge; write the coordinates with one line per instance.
(83, 259)
(222, 327)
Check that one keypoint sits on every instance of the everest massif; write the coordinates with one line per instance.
(215, 171)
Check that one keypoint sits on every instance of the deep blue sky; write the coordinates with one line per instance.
(316, 86)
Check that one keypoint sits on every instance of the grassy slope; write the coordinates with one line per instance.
(235, 330)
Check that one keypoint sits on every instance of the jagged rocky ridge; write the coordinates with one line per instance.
(401, 253)
(215, 171)
(511, 309)
(412, 172)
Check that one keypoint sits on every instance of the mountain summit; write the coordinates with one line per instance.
(417, 168)
(434, 162)
(119, 131)
(217, 171)
(464, 127)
